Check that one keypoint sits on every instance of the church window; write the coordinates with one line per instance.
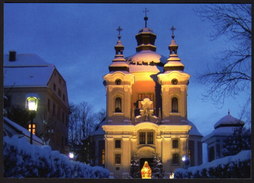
(175, 159)
(118, 82)
(118, 159)
(117, 143)
(175, 143)
(103, 156)
(149, 137)
(54, 87)
(174, 104)
(142, 137)
(118, 104)
(145, 137)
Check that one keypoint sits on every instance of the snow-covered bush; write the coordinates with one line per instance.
(237, 166)
(22, 159)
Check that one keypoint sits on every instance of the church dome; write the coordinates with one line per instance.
(146, 57)
(228, 120)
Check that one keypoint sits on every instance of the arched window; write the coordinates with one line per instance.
(118, 104)
(174, 104)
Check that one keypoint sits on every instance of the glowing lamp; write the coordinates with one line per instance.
(184, 158)
(71, 155)
(146, 171)
(32, 103)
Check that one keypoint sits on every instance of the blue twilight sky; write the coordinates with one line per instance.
(79, 40)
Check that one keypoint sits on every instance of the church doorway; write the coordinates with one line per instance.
(142, 161)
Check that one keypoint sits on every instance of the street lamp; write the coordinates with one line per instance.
(71, 155)
(32, 105)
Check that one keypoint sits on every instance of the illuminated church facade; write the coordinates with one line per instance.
(146, 116)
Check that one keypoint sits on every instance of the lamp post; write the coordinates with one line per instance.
(32, 105)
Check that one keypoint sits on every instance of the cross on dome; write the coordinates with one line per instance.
(146, 18)
(119, 29)
(173, 29)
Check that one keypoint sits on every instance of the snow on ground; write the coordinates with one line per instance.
(22, 159)
(237, 162)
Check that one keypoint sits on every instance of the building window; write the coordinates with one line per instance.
(118, 159)
(59, 92)
(54, 109)
(211, 154)
(174, 104)
(175, 159)
(54, 87)
(118, 104)
(33, 128)
(192, 152)
(118, 82)
(103, 156)
(149, 137)
(175, 143)
(142, 137)
(48, 105)
(117, 143)
(146, 137)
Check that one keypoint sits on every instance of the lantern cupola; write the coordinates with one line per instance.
(119, 62)
(174, 62)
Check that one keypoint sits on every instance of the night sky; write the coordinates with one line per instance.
(79, 40)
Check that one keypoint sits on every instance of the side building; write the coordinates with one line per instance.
(27, 75)
(224, 128)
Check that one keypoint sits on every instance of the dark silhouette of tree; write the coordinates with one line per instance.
(232, 71)
(240, 140)
(19, 115)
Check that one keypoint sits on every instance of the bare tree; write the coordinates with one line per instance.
(81, 122)
(231, 74)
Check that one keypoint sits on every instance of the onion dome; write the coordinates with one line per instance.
(119, 62)
(174, 62)
(145, 37)
(228, 120)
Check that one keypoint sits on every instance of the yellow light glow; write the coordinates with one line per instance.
(171, 175)
(146, 171)
(32, 103)
(33, 128)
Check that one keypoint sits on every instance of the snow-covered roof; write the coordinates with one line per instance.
(144, 68)
(28, 70)
(21, 129)
(98, 129)
(194, 130)
(25, 60)
(228, 120)
(221, 132)
(146, 56)
(146, 30)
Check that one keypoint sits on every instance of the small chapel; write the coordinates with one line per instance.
(146, 110)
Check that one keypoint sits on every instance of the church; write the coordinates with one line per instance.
(146, 110)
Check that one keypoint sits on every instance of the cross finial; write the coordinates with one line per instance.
(146, 18)
(173, 29)
(119, 29)
(228, 112)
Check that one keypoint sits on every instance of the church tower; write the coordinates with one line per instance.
(173, 83)
(146, 108)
